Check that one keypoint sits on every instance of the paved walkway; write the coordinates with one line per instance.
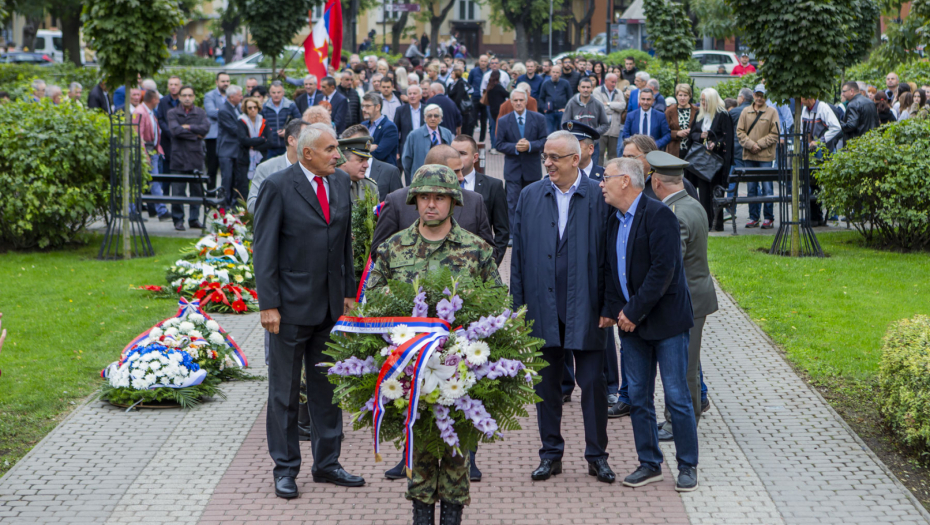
(772, 452)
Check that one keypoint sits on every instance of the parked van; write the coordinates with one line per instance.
(49, 42)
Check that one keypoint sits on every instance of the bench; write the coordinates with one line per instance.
(214, 198)
(743, 174)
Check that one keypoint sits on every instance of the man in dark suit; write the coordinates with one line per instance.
(521, 136)
(99, 98)
(338, 103)
(557, 272)
(303, 258)
(646, 120)
(668, 184)
(386, 176)
(235, 180)
(312, 97)
(647, 294)
(409, 117)
(383, 132)
(490, 189)
(451, 116)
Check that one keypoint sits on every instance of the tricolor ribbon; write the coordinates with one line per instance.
(432, 333)
(363, 282)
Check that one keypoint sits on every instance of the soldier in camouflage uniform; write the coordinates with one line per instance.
(433, 241)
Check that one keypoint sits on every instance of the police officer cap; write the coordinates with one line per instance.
(581, 131)
(356, 145)
(666, 164)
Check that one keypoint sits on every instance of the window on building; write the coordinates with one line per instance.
(467, 10)
(389, 16)
(317, 12)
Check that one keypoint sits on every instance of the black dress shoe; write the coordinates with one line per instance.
(474, 474)
(705, 405)
(285, 487)
(179, 226)
(567, 398)
(665, 434)
(195, 224)
(642, 476)
(397, 472)
(687, 479)
(619, 410)
(339, 477)
(546, 469)
(601, 469)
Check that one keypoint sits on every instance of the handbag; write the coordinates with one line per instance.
(484, 99)
(703, 162)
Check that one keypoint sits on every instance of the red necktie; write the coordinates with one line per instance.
(321, 195)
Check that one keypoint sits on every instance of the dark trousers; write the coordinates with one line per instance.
(513, 188)
(482, 121)
(589, 370)
(235, 179)
(291, 345)
(706, 193)
(212, 162)
(179, 189)
(469, 121)
(611, 368)
(694, 372)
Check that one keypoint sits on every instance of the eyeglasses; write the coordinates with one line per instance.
(608, 177)
(434, 116)
(553, 157)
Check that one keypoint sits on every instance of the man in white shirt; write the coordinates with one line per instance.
(495, 65)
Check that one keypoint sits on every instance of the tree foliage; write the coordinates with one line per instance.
(129, 35)
(274, 24)
(669, 28)
(715, 19)
(523, 16)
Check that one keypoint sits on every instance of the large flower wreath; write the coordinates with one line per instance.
(452, 347)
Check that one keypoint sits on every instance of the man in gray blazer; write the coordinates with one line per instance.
(303, 272)
(692, 221)
(397, 215)
(276, 164)
(420, 140)
(227, 146)
(385, 175)
(212, 102)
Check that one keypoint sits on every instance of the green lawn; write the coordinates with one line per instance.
(67, 315)
(828, 314)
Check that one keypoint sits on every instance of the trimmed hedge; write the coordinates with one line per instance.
(881, 182)
(730, 88)
(905, 381)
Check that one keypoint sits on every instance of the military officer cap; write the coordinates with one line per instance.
(356, 145)
(581, 131)
(435, 178)
(666, 164)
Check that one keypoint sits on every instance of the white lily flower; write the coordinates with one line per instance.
(435, 374)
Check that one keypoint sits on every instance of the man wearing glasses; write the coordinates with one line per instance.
(557, 272)
(520, 137)
(420, 140)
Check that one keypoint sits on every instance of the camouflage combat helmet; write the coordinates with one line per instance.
(435, 178)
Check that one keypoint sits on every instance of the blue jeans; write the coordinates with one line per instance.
(554, 121)
(640, 358)
(157, 188)
(703, 388)
(492, 123)
(760, 189)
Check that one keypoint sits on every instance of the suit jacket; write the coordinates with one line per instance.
(386, 176)
(597, 173)
(660, 304)
(507, 108)
(404, 122)
(304, 101)
(418, 145)
(671, 116)
(533, 263)
(722, 134)
(99, 99)
(212, 102)
(521, 165)
(264, 170)
(658, 129)
(165, 105)
(303, 266)
(340, 105)
(692, 225)
(385, 136)
(495, 202)
(451, 116)
(613, 109)
(397, 215)
(227, 138)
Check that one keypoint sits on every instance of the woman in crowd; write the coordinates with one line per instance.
(383, 67)
(600, 71)
(400, 79)
(253, 135)
(904, 104)
(680, 116)
(885, 115)
(714, 129)
(496, 94)
(518, 69)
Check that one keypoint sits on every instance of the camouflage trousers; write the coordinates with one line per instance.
(303, 382)
(435, 480)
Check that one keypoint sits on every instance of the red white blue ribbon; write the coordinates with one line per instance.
(363, 282)
(432, 333)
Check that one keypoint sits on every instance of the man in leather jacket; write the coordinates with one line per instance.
(861, 115)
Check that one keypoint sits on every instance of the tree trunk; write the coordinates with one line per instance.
(127, 215)
(522, 42)
(29, 33)
(229, 49)
(348, 31)
(708, 42)
(795, 189)
(71, 35)
(434, 36)
(397, 31)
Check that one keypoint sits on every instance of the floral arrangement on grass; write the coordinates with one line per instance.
(233, 223)
(468, 384)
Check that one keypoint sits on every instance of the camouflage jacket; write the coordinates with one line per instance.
(358, 188)
(407, 253)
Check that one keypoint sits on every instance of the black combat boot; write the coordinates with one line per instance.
(303, 422)
(423, 514)
(450, 513)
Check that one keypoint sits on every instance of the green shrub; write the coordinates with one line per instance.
(730, 88)
(642, 59)
(16, 78)
(881, 182)
(873, 74)
(54, 171)
(185, 60)
(201, 80)
(905, 381)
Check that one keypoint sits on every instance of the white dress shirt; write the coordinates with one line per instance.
(505, 79)
(563, 200)
(470, 181)
(415, 116)
(312, 178)
(589, 168)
